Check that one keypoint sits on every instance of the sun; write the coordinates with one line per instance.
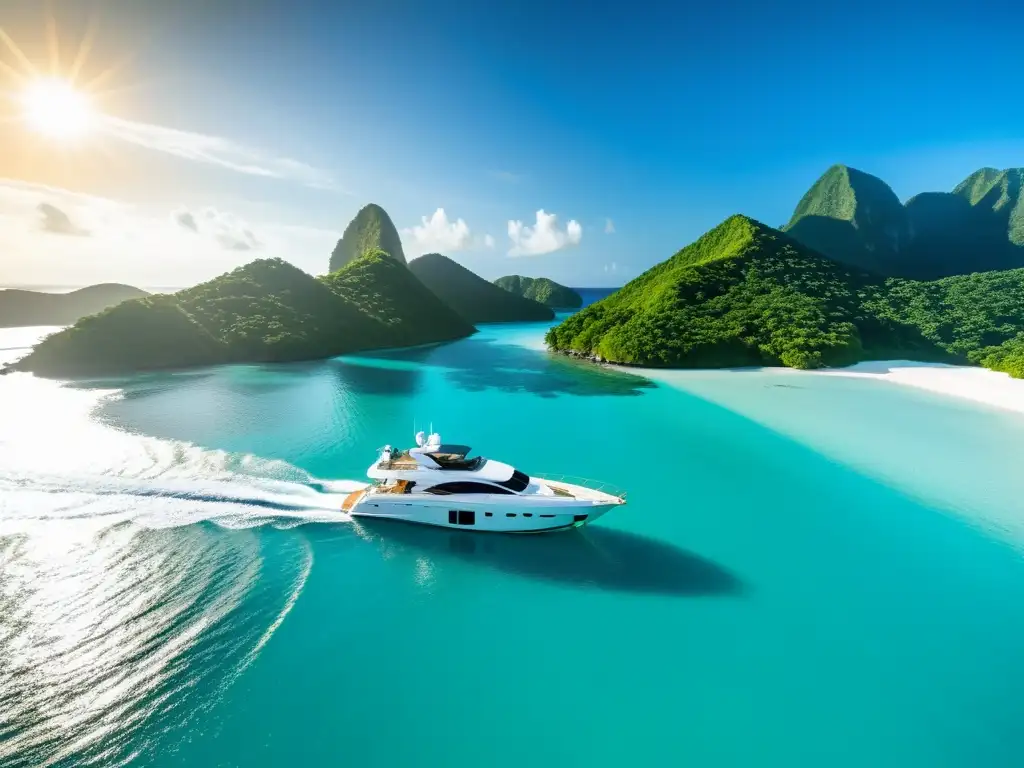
(54, 108)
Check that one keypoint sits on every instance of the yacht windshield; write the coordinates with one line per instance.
(456, 461)
(518, 482)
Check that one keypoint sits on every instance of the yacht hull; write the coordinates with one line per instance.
(498, 514)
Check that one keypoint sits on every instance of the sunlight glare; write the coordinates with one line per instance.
(54, 108)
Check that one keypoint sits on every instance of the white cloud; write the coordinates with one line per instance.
(609, 227)
(439, 234)
(228, 230)
(215, 150)
(544, 236)
(612, 268)
(57, 222)
(144, 247)
(488, 241)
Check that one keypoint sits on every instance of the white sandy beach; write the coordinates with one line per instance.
(978, 384)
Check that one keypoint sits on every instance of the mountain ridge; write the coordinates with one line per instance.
(854, 217)
(23, 307)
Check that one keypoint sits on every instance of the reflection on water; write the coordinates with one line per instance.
(320, 401)
(481, 362)
(595, 556)
(107, 632)
(474, 364)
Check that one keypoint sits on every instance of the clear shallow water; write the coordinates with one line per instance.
(827, 572)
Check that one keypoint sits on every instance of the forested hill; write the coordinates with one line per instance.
(746, 294)
(266, 311)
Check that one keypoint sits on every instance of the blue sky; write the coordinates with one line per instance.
(660, 119)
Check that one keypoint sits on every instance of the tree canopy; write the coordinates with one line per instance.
(265, 311)
(542, 290)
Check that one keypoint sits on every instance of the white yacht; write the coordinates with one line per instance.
(438, 483)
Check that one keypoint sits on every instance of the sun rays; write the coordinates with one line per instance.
(52, 99)
(62, 92)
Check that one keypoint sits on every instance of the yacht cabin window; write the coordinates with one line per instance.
(465, 486)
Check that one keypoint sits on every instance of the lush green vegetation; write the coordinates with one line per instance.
(390, 294)
(18, 307)
(540, 289)
(1007, 357)
(856, 218)
(475, 299)
(746, 294)
(963, 315)
(743, 294)
(265, 311)
(999, 195)
(140, 334)
(371, 229)
(852, 217)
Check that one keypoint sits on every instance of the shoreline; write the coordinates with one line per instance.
(964, 382)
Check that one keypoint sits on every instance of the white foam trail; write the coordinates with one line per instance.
(56, 462)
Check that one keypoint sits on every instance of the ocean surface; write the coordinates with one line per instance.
(811, 571)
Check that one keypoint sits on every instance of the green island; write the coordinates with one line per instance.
(541, 289)
(265, 311)
(475, 299)
(21, 307)
(746, 294)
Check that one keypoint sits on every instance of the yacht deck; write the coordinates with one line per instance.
(351, 499)
(399, 486)
(402, 461)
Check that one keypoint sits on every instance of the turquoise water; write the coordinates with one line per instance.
(811, 571)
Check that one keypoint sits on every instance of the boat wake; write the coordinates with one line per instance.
(57, 463)
(119, 613)
(243, 502)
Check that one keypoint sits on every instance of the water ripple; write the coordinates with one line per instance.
(136, 581)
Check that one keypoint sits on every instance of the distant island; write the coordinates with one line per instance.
(23, 307)
(475, 299)
(542, 290)
(745, 294)
(854, 217)
(266, 311)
